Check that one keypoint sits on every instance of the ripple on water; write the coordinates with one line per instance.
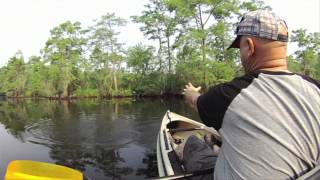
(44, 133)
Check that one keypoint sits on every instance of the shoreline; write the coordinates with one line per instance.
(69, 98)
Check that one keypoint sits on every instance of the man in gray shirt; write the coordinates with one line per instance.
(269, 119)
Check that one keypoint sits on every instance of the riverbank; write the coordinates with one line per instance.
(94, 97)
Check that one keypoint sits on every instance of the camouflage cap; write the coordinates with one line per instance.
(263, 24)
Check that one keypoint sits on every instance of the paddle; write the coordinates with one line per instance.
(33, 170)
(188, 174)
(185, 129)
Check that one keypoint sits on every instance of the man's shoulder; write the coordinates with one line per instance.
(213, 104)
(239, 82)
(310, 80)
(275, 75)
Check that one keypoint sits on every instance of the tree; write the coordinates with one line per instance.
(252, 5)
(63, 52)
(160, 24)
(13, 76)
(143, 64)
(294, 65)
(106, 52)
(202, 15)
(308, 54)
(140, 59)
(37, 73)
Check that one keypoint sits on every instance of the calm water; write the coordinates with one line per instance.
(105, 139)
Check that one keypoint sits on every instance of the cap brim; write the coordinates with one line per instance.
(235, 43)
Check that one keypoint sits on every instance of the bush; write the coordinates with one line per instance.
(88, 92)
(122, 93)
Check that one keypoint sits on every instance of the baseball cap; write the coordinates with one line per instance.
(262, 24)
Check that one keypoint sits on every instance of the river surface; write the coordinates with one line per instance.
(105, 139)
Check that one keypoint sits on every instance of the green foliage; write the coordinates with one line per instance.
(294, 65)
(188, 72)
(308, 54)
(107, 53)
(254, 5)
(103, 80)
(122, 93)
(13, 76)
(141, 58)
(161, 25)
(147, 85)
(37, 78)
(63, 51)
(88, 92)
(218, 72)
(206, 29)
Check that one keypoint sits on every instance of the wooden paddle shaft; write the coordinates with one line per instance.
(185, 129)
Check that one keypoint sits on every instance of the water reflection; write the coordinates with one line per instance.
(105, 139)
(151, 169)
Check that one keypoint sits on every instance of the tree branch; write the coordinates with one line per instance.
(212, 12)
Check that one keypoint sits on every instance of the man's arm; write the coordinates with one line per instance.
(191, 95)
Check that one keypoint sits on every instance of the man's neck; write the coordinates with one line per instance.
(274, 65)
(268, 65)
(273, 59)
(276, 69)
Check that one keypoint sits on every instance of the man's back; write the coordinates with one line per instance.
(269, 121)
(270, 126)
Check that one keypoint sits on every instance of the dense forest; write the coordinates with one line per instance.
(190, 40)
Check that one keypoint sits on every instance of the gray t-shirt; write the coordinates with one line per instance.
(269, 123)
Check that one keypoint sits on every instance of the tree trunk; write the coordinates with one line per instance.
(159, 54)
(204, 61)
(160, 64)
(65, 89)
(203, 47)
(115, 81)
(169, 61)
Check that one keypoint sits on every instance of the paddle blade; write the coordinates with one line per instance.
(33, 170)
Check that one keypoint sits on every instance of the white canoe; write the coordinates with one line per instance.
(173, 126)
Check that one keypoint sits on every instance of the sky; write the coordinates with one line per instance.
(26, 24)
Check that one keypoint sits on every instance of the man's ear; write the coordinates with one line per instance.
(251, 46)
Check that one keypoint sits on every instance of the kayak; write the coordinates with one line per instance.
(35, 170)
(174, 130)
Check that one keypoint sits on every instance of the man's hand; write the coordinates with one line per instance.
(191, 95)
